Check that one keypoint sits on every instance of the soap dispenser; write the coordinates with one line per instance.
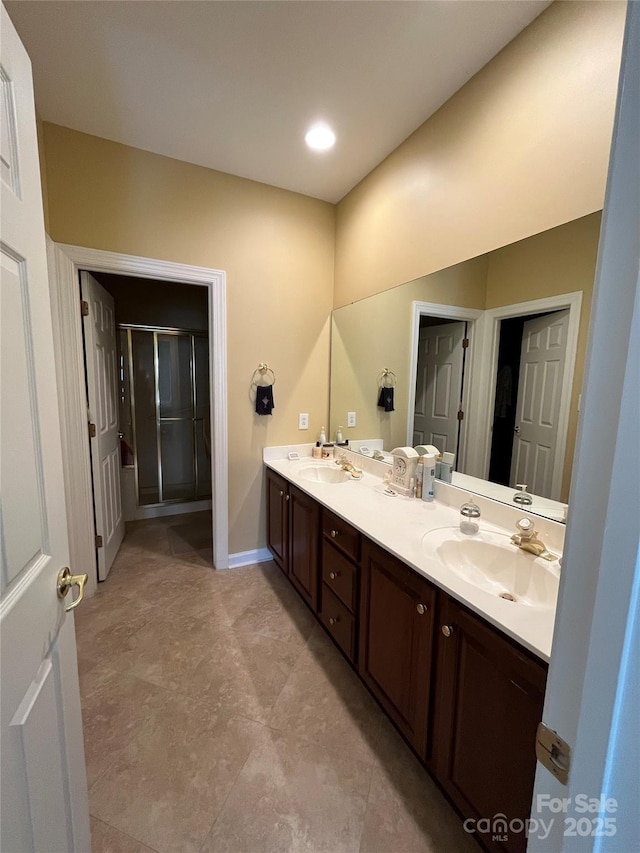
(469, 511)
(522, 497)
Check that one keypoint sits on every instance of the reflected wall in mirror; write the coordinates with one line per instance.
(380, 331)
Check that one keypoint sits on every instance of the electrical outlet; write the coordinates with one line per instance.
(303, 420)
(351, 419)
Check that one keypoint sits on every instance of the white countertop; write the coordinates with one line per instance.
(398, 525)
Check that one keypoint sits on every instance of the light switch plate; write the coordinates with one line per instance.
(303, 420)
(351, 419)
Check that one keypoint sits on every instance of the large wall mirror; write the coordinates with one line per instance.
(487, 361)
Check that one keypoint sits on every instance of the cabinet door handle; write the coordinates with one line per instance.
(334, 533)
(333, 620)
(447, 630)
(281, 493)
(421, 608)
(334, 575)
(287, 497)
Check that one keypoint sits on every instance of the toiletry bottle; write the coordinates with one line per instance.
(317, 450)
(446, 467)
(419, 477)
(428, 476)
(322, 438)
(339, 435)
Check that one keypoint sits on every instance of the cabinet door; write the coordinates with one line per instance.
(277, 519)
(396, 625)
(304, 543)
(489, 697)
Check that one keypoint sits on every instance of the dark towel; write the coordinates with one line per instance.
(385, 400)
(264, 399)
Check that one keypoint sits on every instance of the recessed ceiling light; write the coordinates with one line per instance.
(320, 137)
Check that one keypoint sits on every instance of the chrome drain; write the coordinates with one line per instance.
(507, 596)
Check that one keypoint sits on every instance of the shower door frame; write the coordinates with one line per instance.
(163, 330)
(64, 264)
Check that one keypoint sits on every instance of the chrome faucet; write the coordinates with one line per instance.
(527, 540)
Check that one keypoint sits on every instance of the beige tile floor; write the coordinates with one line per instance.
(219, 717)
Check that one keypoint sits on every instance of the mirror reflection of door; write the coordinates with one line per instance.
(439, 382)
(530, 371)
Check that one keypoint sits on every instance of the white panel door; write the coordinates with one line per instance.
(542, 360)
(102, 384)
(43, 793)
(439, 386)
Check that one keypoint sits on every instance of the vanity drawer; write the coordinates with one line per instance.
(341, 534)
(340, 575)
(339, 622)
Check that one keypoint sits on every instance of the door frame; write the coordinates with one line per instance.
(65, 261)
(445, 312)
(487, 366)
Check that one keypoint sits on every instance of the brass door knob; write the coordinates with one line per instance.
(65, 581)
(447, 630)
(421, 608)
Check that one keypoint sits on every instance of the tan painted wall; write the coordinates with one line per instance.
(276, 248)
(521, 148)
(561, 260)
(375, 333)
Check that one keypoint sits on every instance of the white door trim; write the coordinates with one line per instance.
(487, 366)
(66, 261)
(468, 432)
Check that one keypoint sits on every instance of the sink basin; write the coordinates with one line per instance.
(324, 474)
(490, 561)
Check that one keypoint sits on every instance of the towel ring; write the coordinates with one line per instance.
(387, 379)
(261, 373)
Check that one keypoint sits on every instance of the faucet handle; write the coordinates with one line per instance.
(522, 496)
(525, 527)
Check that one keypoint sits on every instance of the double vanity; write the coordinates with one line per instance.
(451, 633)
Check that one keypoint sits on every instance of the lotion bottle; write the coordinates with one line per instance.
(322, 438)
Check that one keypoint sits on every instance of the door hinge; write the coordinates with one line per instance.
(98, 541)
(460, 415)
(92, 430)
(553, 753)
(465, 343)
(84, 308)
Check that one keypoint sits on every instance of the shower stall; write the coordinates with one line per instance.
(164, 413)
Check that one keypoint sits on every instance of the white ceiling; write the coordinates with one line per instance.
(234, 85)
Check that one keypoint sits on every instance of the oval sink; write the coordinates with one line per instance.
(324, 474)
(490, 561)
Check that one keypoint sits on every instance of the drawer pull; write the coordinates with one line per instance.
(447, 630)
(334, 533)
(334, 575)
(333, 620)
(421, 608)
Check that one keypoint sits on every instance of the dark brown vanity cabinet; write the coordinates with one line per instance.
(488, 699)
(396, 639)
(293, 533)
(340, 553)
(304, 535)
(278, 519)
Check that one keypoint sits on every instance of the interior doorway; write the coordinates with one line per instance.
(65, 263)
(146, 346)
(528, 386)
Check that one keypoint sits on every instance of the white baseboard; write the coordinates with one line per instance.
(247, 558)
